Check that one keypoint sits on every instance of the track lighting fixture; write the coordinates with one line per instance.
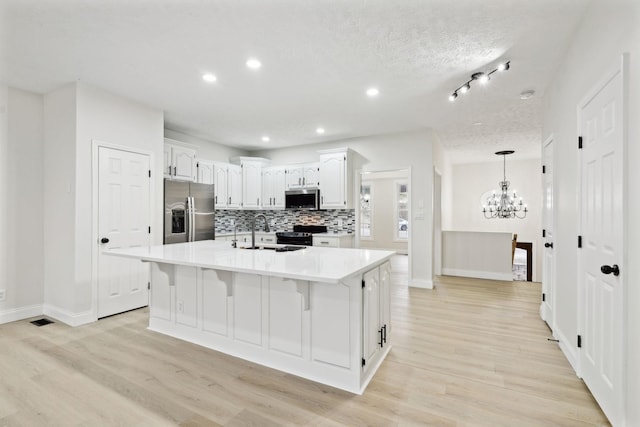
(482, 78)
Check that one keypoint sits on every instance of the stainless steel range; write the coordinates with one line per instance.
(301, 235)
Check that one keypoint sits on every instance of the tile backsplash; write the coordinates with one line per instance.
(340, 220)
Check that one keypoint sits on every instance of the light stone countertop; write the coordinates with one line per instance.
(330, 265)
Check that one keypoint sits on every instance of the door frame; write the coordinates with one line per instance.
(551, 322)
(95, 173)
(437, 224)
(621, 67)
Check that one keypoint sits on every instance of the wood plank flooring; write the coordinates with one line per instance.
(469, 353)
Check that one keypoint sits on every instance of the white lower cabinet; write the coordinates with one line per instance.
(344, 241)
(376, 327)
(314, 330)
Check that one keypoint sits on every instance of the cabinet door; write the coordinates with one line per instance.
(294, 177)
(205, 171)
(385, 300)
(333, 183)
(234, 185)
(267, 187)
(220, 183)
(168, 169)
(251, 185)
(311, 175)
(371, 330)
(183, 161)
(278, 186)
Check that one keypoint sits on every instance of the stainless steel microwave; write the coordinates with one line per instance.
(302, 198)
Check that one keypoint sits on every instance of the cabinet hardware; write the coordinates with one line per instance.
(384, 333)
(175, 171)
(216, 199)
(380, 343)
(579, 341)
(229, 199)
(608, 269)
(169, 170)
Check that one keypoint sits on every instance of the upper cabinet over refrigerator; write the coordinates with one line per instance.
(189, 212)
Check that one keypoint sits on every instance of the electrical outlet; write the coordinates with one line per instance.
(233, 222)
(3, 294)
(180, 307)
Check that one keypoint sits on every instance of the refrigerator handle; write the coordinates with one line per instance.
(193, 219)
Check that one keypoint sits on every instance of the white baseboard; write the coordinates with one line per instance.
(71, 319)
(568, 348)
(491, 275)
(423, 284)
(21, 313)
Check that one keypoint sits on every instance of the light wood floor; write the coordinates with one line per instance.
(469, 353)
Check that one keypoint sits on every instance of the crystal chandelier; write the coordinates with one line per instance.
(503, 203)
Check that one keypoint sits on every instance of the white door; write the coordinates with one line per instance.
(601, 294)
(548, 263)
(123, 222)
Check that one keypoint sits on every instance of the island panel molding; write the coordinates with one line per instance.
(312, 313)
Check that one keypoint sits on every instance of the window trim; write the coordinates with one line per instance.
(396, 211)
(371, 197)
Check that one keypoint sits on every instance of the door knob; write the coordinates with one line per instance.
(608, 269)
(104, 240)
(548, 245)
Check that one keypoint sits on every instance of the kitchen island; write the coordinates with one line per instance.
(318, 313)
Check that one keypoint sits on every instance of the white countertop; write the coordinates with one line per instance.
(330, 265)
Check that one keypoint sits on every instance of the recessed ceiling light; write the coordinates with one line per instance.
(372, 91)
(209, 78)
(253, 63)
(477, 123)
(527, 94)
(266, 139)
(320, 130)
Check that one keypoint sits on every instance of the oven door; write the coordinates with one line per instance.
(284, 239)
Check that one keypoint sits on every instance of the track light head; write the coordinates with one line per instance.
(465, 88)
(453, 96)
(503, 66)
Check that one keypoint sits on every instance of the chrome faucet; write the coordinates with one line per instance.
(253, 228)
(234, 242)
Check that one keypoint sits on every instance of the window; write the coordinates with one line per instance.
(366, 211)
(402, 211)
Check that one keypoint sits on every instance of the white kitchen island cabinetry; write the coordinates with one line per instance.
(311, 312)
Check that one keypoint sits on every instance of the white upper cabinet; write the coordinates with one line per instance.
(251, 184)
(273, 187)
(221, 184)
(234, 186)
(335, 180)
(179, 163)
(205, 171)
(302, 176)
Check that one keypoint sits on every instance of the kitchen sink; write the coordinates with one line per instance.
(277, 248)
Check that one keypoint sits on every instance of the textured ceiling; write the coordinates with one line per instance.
(318, 57)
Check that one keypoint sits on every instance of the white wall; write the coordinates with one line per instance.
(205, 149)
(608, 30)
(59, 197)
(25, 227)
(412, 150)
(470, 181)
(477, 254)
(5, 247)
(384, 186)
(75, 116)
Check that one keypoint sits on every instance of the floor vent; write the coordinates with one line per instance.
(41, 322)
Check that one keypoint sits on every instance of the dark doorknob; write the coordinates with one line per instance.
(104, 240)
(548, 245)
(608, 269)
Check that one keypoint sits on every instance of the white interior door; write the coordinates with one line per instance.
(548, 264)
(602, 219)
(123, 222)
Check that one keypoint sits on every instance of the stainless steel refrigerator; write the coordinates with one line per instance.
(189, 212)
